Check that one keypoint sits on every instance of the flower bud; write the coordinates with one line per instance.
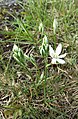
(18, 55)
(41, 28)
(55, 25)
(44, 47)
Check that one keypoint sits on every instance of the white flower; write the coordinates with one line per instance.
(56, 57)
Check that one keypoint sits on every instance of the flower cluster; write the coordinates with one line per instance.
(45, 49)
(21, 58)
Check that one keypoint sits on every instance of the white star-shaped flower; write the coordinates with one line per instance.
(56, 57)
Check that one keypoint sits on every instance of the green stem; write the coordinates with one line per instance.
(55, 41)
(45, 78)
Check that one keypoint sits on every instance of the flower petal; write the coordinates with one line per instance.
(63, 55)
(61, 61)
(51, 51)
(53, 61)
(58, 49)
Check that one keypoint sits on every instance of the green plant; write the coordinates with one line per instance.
(32, 83)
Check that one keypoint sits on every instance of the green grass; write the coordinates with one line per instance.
(33, 90)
